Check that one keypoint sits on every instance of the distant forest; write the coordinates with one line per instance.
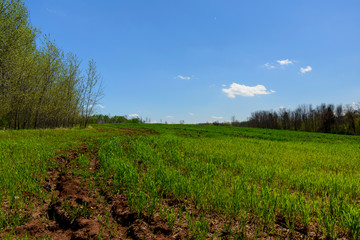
(323, 118)
(41, 86)
(100, 119)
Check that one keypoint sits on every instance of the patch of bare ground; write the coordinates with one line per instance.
(72, 212)
(81, 208)
(78, 211)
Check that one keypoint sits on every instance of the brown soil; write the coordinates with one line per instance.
(70, 214)
(77, 211)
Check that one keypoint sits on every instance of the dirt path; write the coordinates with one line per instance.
(79, 209)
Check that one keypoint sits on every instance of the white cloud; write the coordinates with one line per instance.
(269, 66)
(169, 116)
(184, 78)
(100, 106)
(191, 114)
(284, 62)
(223, 85)
(246, 91)
(352, 107)
(307, 69)
(134, 115)
(215, 117)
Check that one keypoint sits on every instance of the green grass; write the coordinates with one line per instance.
(25, 157)
(304, 178)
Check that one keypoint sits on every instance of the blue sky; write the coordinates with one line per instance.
(208, 60)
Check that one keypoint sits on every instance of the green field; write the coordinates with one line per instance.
(206, 182)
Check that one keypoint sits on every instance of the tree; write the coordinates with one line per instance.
(16, 47)
(40, 86)
(327, 119)
(92, 92)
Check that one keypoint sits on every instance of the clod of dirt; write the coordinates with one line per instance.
(88, 229)
(122, 214)
(32, 228)
(58, 213)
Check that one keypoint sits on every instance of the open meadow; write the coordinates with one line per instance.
(159, 181)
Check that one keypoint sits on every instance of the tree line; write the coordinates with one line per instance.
(41, 85)
(325, 118)
(100, 119)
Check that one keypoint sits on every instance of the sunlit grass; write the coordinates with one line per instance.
(303, 178)
(299, 179)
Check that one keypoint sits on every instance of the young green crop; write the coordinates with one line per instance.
(257, 175)
(285, 176)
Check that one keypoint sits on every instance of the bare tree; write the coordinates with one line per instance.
(92, 92)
